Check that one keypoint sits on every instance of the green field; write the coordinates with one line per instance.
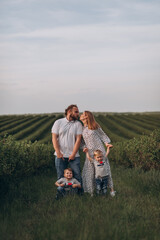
(30, 212)
(119, 127)
(28, 209)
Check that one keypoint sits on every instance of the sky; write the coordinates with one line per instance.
(103, 55)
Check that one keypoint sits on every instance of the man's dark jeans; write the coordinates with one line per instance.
(63, 164)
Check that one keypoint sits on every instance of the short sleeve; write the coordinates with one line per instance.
(55, 128)
(82, 145)
(79, 128)
(60, 180)
(76, 181)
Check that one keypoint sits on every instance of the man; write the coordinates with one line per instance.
(66, 138)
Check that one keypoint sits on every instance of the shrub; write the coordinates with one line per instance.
(20, 158)
(143, 152)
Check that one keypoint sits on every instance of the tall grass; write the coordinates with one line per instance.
(30, 210)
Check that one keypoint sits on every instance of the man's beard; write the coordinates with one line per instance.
(73, 117)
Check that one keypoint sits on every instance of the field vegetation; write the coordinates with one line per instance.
(119, 127)
(28, 209)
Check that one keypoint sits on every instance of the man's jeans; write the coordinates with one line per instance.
(63, 164)
(101, 185)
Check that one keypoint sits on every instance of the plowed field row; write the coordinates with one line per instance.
(118, 127)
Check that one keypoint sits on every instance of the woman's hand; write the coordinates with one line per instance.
(109, 145)
(85, 150)
(83, 117)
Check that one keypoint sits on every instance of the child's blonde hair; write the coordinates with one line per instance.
(98, 152)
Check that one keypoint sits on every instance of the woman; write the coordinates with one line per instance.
(93, 137)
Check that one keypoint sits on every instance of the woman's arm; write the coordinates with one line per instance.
(82, 145)
(103, 136)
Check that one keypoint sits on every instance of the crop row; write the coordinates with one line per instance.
(141, 122)
(20, 127)
(131, 125)
(109, 130)
(134, 129)
(17, 123)
(118, 127)
(11, 120)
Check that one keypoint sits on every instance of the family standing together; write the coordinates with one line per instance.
(68, 136)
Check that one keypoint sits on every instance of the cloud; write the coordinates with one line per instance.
(94, 33)
(79, 51)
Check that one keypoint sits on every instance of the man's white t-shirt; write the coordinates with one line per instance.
(67, 132)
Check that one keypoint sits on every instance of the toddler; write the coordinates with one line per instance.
(101, 171)
(67, 184)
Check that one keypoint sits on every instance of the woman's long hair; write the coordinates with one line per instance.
(91, 122)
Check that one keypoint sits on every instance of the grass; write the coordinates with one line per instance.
(29, 211)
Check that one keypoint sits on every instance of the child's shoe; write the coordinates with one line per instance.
(113, 193)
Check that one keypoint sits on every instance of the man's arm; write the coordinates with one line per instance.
(56, 145)
(76, 147)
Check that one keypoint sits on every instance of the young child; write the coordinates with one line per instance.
(67, 184)
(101, 171)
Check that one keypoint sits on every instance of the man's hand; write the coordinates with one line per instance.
(60, 155)
(71, 157)
(74, 185)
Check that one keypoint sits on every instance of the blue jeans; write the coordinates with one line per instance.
(101, 185)
(63, 164)
(63, 191)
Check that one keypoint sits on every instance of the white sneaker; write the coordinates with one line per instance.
(113, 193)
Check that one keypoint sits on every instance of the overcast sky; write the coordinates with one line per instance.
(103, 55)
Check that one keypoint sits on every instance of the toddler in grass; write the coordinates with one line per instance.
(67, 184)
(101, 171)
